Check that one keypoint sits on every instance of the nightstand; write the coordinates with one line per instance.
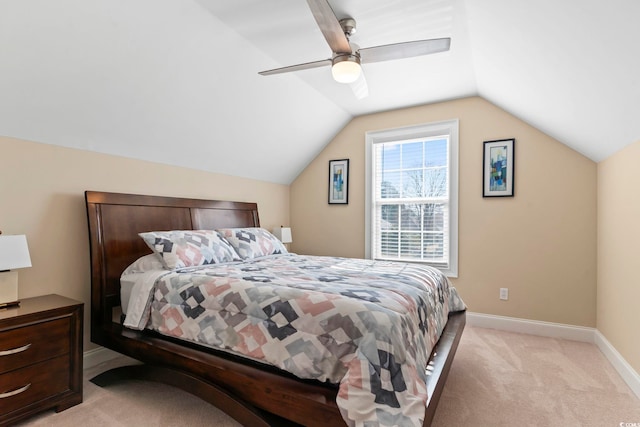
(40, 356)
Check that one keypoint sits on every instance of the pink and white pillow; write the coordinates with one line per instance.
(252, 242)
(189, 248)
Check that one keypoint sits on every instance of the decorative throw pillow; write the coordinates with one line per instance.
(189, 248)
(252, 242)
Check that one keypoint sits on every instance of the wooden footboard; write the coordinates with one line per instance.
(251, 393)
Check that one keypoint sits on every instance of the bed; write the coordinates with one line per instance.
(248, 390)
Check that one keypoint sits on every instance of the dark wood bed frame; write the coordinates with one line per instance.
(253, 394)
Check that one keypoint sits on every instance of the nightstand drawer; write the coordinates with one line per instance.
(34, 383)
(27, 345)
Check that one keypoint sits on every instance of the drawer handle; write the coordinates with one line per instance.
(14, 350)
(14, 392)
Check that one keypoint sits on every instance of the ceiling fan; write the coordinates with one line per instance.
(347, 57)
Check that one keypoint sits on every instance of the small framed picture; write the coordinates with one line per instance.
(498, 168)
(339, 182)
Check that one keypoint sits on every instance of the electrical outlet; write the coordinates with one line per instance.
(504, 293)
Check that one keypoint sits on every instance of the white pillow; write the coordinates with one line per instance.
(144, 264)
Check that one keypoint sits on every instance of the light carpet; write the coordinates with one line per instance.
(497, 379)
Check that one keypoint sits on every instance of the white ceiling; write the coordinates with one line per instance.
(175, 81)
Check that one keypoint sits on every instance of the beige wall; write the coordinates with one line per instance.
(547, 230)
(619, 251)
(42, 195)
(541, 244)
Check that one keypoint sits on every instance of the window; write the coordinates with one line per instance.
(412, 195)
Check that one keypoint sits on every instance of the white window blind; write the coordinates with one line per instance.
(412, 188)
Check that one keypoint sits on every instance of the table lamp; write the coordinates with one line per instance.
(283, 234)
(14, 254)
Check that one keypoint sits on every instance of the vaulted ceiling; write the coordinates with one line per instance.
(176, 81)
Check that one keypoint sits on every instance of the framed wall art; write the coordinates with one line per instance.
(339, 182)
(498, 168)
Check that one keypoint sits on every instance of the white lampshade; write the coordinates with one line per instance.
(14, 252)
(346, 69)
(283, 234)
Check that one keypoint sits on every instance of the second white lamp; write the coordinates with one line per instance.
(283, 234)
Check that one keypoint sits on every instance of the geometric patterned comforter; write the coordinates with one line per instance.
(368, 326)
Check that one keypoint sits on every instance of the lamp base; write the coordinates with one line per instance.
(8, 288)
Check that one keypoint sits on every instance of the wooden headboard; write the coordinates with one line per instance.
(116, 219)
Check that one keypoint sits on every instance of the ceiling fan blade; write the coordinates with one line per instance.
(330, 26)
(404, 50)
(298, 67)
(360, 88)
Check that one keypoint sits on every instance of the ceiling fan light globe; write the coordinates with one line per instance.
(346, 70)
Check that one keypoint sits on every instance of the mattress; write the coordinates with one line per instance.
(368, 326)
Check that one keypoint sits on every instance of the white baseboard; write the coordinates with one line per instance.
(96, 356)
(559, 330)
(532, 327)
(628, 374)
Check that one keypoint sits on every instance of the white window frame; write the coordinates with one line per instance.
(426, 130)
